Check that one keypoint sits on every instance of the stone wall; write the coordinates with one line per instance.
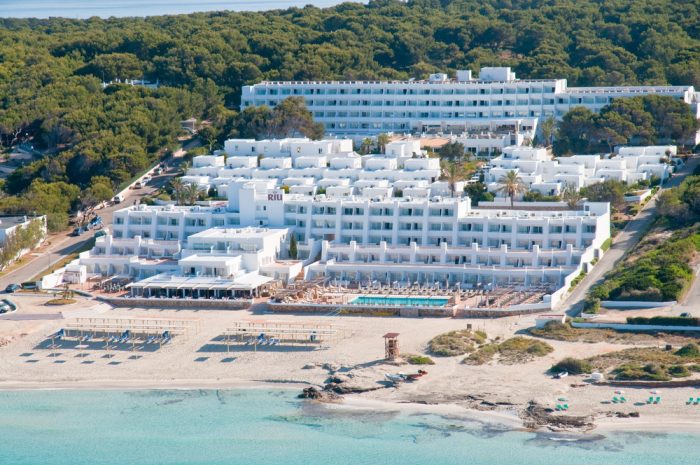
(211, 304)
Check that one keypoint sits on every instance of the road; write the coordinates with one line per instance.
(59, 245)
(626, 240)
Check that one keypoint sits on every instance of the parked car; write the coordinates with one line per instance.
(77, 232)
(562, 374)
(12, 288)
(119, 198)
(685, 315)
(101, 232)
(138, 185)
(158, 171)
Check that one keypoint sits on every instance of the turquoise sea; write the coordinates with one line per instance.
(119, 8)
(206, 427)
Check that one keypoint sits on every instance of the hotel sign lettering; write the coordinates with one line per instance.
(275, 196)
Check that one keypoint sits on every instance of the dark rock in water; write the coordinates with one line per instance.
(311, 393)
(627, 415)
(317, 394)
(536, 416)
(346, 389)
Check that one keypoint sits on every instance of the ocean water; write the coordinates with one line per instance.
(206, 427)
(120, 8)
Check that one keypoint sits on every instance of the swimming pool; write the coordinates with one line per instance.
(400, 301)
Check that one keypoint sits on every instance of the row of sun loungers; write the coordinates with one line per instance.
(262, 341)
(124, 338)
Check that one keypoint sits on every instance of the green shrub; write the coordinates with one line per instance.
(591, 305)
(514, 350)
(572, 365)
(576, 280)
(664, 321)
(419, 360)
(679, 371)
(636, 372)
(483, 355)
(455, 343)
(661, 273)
(689, 350)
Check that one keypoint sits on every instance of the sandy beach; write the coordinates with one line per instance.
(491, 392)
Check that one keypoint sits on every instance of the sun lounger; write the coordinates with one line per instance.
(697, 401)
(690, 401)
(657, 400)
(615, 400)
(650, 400)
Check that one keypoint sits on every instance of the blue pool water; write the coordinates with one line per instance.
(403, 301)
(204, 427)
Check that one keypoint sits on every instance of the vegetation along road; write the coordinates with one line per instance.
(624, 242)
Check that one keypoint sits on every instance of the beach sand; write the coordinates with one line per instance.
(490, 392)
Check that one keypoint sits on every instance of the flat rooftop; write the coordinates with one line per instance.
(7, 222)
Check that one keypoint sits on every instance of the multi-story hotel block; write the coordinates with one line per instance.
(548, 175)
(383, 217)
(441, 104)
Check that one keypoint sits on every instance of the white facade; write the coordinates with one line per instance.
(442, 104)
(411, 239)
(238, 255)
(307, 167)
(549, 175)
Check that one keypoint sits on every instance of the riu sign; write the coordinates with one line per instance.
(275, 196)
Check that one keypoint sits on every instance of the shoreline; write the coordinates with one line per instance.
(508, 419)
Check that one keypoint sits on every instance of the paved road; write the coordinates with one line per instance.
(627, 239)
(62, 244)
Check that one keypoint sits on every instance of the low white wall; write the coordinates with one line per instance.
(626, 327)
(624, 304)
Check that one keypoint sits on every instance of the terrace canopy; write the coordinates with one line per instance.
(199, 287)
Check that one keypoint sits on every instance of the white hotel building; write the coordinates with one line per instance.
(547, 175)
(358, 230)
(441, 104)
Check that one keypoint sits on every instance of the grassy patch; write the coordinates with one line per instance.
(577, 280)
(565, 332)
(689, 351)
(484, 355)
(648, 364)
(514, 350)
(456, 342)
(413, 359)
(572, 365)
(61, 302)
(659, 269)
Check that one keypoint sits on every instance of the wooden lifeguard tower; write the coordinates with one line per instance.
(391, 346)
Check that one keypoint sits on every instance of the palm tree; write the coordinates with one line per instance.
(548, 127)
(366, 146)
(382, 140)
(452, 176)
(178, 188)
(511, 185)
(571, 195)
(191, 193)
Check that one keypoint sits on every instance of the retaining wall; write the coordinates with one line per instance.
(362, 309)
(630, 304)
(638, 328)
(213, 304)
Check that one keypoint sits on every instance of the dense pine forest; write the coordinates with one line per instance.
(93, 138)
